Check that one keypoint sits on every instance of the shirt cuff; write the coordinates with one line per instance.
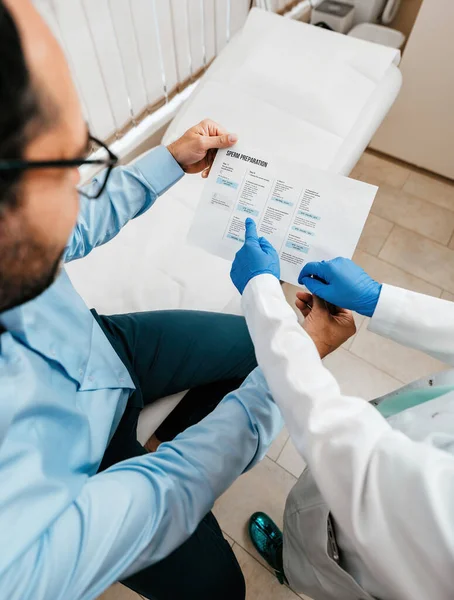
(160, 169)
(389, 308)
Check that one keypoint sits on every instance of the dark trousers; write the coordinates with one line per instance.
(167, 352)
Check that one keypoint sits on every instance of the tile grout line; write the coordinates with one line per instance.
(387, 237)
(279, 465)
(403, 270)
(371, 212)
(380, 371)
(451, 240)
(280, 453)
(413, 230)
(267, 568)
(424, 237)
(412, 170)
(400, 268)
(364, 325)
(450, 210)
(435, 180)
(288, 472)
(401, 189)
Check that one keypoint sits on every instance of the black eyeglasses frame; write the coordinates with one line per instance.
(24, 165)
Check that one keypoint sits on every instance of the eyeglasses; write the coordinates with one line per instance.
(101, 154)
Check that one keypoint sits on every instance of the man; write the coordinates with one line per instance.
(75, 515)
(387, 482)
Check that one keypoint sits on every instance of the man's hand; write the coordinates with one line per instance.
(196, 149)
(327, 331)
(256, 257)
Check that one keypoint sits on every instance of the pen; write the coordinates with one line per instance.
(332, 308)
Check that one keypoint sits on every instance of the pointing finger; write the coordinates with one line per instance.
(251, 231)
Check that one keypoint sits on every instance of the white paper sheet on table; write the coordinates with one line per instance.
(259, 124)
(307, 214)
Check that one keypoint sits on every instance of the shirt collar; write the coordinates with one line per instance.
(59, 326)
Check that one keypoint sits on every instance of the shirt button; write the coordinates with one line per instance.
(122, 380)
(81, 371)
(90, 378)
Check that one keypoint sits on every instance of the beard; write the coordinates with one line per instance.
(28, 265)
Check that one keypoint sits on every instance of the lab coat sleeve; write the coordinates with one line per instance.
(391, 496)
(130, 191)
(417, 321)
(138, 511)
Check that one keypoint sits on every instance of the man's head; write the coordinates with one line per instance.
(40, 119)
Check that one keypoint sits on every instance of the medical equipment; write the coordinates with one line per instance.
(336, 15)
(372, 19)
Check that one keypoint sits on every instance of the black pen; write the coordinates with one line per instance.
(332, 308)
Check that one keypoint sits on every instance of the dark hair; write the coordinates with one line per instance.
(19, 104)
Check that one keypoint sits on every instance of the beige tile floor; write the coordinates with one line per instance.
(409, 242)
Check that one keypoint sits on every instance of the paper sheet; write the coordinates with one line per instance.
(307, 214)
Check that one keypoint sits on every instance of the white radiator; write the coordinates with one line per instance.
(130, 58)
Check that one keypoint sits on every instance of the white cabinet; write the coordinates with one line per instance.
(420, 127)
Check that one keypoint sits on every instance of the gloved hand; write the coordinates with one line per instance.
(342, 283)
(257, 256)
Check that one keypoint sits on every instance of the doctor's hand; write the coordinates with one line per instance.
(256, 257)
(327, 331)
(342, 283)
(195, 151)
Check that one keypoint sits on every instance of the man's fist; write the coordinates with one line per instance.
(327, 331)
(196, 149)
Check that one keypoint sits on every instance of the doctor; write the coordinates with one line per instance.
(372, 516)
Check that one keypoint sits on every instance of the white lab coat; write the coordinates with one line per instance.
(378, 483)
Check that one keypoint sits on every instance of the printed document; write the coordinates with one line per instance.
(307, 214)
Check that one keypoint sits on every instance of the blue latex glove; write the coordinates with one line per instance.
(257, 256)
(342, 283)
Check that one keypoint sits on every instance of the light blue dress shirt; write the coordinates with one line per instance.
(67, 532)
